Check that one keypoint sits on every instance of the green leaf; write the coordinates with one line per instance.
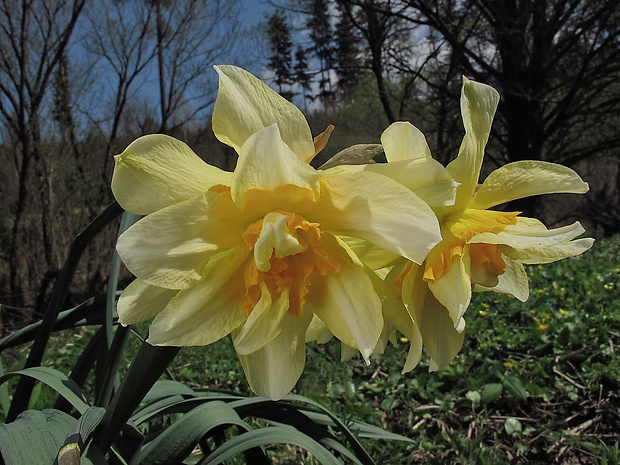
(79, 435)
(179, 439)
(491, 392)
(515, 387)
(58, 381)
(267, 436)
(34, 437)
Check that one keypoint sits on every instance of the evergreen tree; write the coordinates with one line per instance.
(302, 77)
(280, 61)
(346, 53)
(321, 34)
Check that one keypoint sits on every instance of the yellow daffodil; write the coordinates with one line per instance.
(482, 249)
(257, 253)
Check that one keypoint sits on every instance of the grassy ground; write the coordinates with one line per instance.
(535, 383)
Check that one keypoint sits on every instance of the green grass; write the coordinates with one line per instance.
(534, 383)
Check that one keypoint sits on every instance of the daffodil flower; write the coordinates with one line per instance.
(257, 253)
(481, 249)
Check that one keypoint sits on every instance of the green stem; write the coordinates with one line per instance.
(25, 385)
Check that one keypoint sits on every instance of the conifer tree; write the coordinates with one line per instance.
(280, 61)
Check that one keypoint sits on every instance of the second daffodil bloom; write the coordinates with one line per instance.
(482, 249)
(257, 252)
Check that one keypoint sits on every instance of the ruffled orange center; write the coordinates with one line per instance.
(287, 250)
(486, 259)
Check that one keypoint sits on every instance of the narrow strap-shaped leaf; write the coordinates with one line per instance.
(79, 435)
(179, 439)
(146, 367)
(34, 437)
(59, 294)
(58, 381)
(268, 436)
(89, 312)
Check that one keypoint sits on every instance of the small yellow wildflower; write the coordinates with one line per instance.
(484, 345)
(543, 326)
(483, 312)
(404, 339)
(608, 286)
(563, 312)
(509, 364)
(485, 305)
(592, 330)
(539, 291)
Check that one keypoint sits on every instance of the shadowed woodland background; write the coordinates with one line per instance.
(79, 80)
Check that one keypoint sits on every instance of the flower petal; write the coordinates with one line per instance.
(403, 141)
(513, 281)
(549, 254)
(397, 316)
(170, 247)
(346, 301)
(157, 171)
(425, 177)
(379, 210)
(266, 163)
(273, 370)
(207, 311)
(263, 324)
(453, 289)
(530, 233)
(246, 105)
(140, 302)
(478, 105)
(524, 179)
(441, 339)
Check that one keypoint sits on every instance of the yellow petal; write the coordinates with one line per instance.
(275, 237)
(524, 179)
(246, 105)
(441, 339)
(549, 254)
(263, 324)
(267, 164)
(140, 302)
(453, 289)
(478, 105)
(346, 301)
(513, 281)
(273, 370)
(425, 177)
(526, 234)
(207, 311)
(403, 141)
(375, 208)
(170, 247)
(156, 171)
